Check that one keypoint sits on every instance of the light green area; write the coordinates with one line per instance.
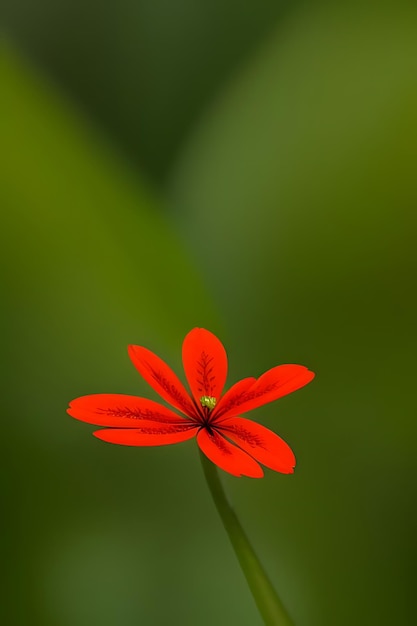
(92, 234)
(305, 174)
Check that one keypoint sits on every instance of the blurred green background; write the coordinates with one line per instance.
(249, 167)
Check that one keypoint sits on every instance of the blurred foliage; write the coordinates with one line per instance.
(315, 242)
(88, 265)
(143, 69)
(284, 143)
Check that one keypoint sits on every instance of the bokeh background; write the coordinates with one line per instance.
(249, 167)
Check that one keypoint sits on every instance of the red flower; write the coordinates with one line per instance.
(235, 444)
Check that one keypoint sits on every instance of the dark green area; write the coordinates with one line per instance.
(144, 70)
(281, 146)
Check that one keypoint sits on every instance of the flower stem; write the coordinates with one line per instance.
(270, 606)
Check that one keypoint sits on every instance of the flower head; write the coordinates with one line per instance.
(237, 445)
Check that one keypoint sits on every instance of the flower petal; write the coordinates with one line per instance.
(261, 443)
(120, 411)
(162, 379)
(148, 434)
(275, 383)
(228, 457)
(232, 397)
(205, 363)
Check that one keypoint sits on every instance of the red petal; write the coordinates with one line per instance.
(261, 443)
(161, 378)
(232, 397)
(205, 363)
(111, 409)
(275, 383)
(149, 434)
(228, 457)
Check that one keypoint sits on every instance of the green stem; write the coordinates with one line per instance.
(265, 596)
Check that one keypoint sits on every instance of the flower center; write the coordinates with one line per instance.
(208, 401)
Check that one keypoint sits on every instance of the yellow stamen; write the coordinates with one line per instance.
(208, 401)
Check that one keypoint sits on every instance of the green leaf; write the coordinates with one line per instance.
(88, 254)
(89, 264)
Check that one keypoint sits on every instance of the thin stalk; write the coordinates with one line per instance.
(269, 604)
